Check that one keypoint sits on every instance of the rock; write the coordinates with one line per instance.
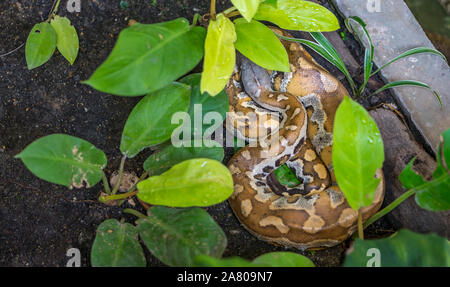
(400, 147)
(394, 30)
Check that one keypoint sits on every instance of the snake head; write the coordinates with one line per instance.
(254, 78)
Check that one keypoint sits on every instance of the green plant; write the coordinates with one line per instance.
(45, 37)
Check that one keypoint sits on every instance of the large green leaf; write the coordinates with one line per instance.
(259, 44)
(116, 245)
(403, 249)
(164, 159)
(273, 259)
(247, 8)
(67, 38)
(220, 55)
(65, 160)
(218, 104)
(298, 15)
(177, 236)
(357, 153)
(150, 121)
(283, 259)
(194, 182)
(432, 195)
(40, 46)
(148, 57)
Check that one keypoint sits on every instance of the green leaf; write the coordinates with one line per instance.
(207, 261)
(150, 121)
(283, 259)
(414, 51)
(408, 83)
(369, 52)
(218, 104)
(40, 46)
(67, 38)
(432, 195)
(403, 249)
(286, 176)
(194, 182)
(410, 178)
(148, 57)
(163, 160)
(247, 8)
(220, 55)
(116, 245)
(357, 147)
(298, 15)
(259, 44)
(273, 259)
(65, 160)
(177, 236)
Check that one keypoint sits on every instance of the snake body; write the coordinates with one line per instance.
(300, 106)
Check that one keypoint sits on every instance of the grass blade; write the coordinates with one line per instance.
(415, 51)
(408, 83)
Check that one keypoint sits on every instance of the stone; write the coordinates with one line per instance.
(394, 30)
(399, 148)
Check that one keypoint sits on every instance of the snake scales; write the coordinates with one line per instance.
(300, 106)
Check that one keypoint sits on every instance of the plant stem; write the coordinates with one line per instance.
(105, 198)
(229, 10)
(105, 183)
(390, 207)
(134, 212)
(195, 19)
(54, 9)
(122, 164)
(360, 225)
(213, 9)
(232, 14)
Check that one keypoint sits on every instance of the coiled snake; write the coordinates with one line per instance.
(300, 106)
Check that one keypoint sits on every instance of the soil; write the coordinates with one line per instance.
(40, 221)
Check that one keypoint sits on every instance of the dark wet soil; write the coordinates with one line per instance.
(40, 221)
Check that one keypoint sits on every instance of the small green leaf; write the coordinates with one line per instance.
(65, 160)
(207, 261)
(177, 236)
(116, 245)
(150, 121)
(410, 178)
(148, 57)
(220, 55)
(408, 83)
(283, 259)
(286, 176)
(404, 249)
(357, 146)
(163, 160)
(273, 259)
(67, 38)
(218, 104)
(259, 44)
(414, 51)
(194, 182)
(40, 46)
(247, 8)
(432, 195)
(298, 15)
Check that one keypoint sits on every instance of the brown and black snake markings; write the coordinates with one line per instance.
(300, 106)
